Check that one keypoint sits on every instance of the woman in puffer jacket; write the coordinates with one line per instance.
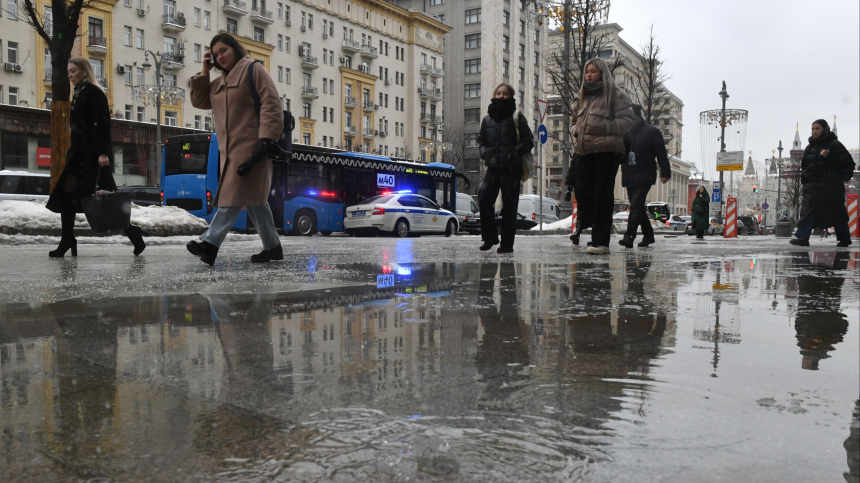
(604, 115)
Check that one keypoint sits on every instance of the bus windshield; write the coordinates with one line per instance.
(186, 158)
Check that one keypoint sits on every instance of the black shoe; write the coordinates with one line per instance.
(575, 239)
(135, 235)
(272, 254)
(206, 251)
(646, 240)
(589, 244)
(487, 245)
(843, 243)
(626, 242)
(65, 245)
(801, 242)
(505, 250)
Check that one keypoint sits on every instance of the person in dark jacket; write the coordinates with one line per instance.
(89, 160)
(824, 168)
(502, 143)
(644, 144)
(700, 217)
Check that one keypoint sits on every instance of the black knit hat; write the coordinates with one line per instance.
(637, 109)
(822, 123)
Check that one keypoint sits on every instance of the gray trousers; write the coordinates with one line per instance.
(224, 218)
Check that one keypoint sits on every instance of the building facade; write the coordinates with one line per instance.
(357, 75)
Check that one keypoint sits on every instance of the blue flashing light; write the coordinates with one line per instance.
(405, 271)
(312, 193)
(404, 191)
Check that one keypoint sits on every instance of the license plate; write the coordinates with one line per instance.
(357, 213)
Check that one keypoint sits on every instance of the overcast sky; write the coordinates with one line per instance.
(785, 61)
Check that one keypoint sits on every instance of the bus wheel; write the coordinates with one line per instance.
(325, 232)
(401, 228)
(451, 228)
(305, 224)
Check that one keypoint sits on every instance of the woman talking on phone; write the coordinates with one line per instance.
(242, 131)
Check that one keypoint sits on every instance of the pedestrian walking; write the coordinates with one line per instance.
(242, 132)
(504, 138)
(825, 167)
(89, 160)
(700, 217)
(604, 115)
(645, 145)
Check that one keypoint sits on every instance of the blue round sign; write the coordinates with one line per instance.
(765, 206)
(543, 134)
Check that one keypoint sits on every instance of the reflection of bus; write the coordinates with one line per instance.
(308, 194)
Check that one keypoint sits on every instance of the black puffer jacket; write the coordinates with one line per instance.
(497, 141)
(647, 143)
(823, 180)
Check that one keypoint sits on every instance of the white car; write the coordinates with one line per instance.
(399, 214)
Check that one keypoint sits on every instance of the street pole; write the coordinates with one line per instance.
(779, 181)
(724, 95)
(540, 181)
(158, 58)
(565, 155)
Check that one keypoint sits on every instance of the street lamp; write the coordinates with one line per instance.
(724, 95)
(779, 181)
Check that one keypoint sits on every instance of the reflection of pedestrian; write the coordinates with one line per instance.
(604, 117)
(825, 167)
(852, 447)
(237, 120)
(502, 142)
(700, 217)
(89, 161)
(645, 143)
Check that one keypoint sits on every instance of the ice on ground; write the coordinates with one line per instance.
(32, 218)
(563, 224)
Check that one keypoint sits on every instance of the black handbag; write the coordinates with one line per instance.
(107, 212)
(285, 142)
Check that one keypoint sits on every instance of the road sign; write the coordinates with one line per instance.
(716, 187)
(730, 161)
(543, 134)
(765, 206)
(716, 197)
(542, 108)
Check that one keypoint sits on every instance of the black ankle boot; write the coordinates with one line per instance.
(135, 235)
(65, 245)
(646, 240)
(206, 251)
(272, 254)
(626, 242)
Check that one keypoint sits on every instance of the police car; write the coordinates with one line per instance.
(401, 214)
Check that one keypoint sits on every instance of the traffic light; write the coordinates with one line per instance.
(755, 189)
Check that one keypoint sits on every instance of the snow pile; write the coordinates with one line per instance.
(563, 224)
(32, 218)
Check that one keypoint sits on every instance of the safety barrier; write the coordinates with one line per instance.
(730, 229)
(853, 219)
(573, 217)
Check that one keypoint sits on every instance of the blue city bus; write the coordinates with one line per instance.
(310, 193)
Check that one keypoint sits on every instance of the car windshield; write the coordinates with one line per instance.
(380, 199)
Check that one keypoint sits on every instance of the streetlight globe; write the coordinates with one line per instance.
(146, 65)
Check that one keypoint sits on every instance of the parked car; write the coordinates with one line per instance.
(24, 185)
(400, 214)
(472, 224)
(688, 224)
(751, 225)
(619, 222)
(715, 227)
(676, 223)
(530, 207)
(658, 210)
(143, 195)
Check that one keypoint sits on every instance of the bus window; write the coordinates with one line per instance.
(307, 180)
(186, 158)
(445, 195)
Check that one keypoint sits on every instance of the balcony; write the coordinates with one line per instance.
(369, 52)
(237, 7)
(367, 133)
(351, 46)
(174, 59)
(349, 131)
(424, 93)
(47, 79)
(262, 16)
(97, 45)
(436, 94)
(426, 117)
(309, 92)
(369, 107)
(431, 70)
(310, 62)
(382, 134)
(349, 102)
(173, 22)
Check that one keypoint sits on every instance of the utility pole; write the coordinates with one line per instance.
(565, 155)
(724, 95)
(779, 182)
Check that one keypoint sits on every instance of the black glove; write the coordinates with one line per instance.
(266, 147)
(567, 196)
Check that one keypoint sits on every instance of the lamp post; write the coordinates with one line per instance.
(779, 181)
(724, 95)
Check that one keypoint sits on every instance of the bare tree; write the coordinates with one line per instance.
(649, 78)
(792, 187)
(57, 25)
(456, 154)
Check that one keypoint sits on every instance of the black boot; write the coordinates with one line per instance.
(574, 238)
(135, 235)
(487, 245)
(67, 219)
(647, 240)
(844, 243)
(206, 251)
(276, 253)
(65, 245)
(626, 242)
(798, 241)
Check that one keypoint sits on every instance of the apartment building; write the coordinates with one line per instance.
(491, 41)
(357, 75)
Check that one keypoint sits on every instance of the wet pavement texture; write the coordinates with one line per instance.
(425, 360)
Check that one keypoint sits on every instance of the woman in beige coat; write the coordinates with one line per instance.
(241, 132)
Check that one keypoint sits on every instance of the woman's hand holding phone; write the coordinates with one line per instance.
(208, 61)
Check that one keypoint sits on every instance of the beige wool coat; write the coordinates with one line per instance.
(240, 129)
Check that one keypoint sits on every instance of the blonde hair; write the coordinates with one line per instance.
(605, 76)
(89, 76)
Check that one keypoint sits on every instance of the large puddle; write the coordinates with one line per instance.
(735, 369)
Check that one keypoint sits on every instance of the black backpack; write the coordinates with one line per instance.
(285, 142)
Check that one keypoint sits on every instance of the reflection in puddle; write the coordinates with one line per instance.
(493, 371)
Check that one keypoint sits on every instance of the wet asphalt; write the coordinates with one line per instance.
(422, 359)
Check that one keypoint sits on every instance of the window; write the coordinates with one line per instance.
(537, 36)
(127, 75)
(12, 11)
(171, 118)
(506, 18)
(325, 91)
(331, 86)
(140, 113)
(506, 68)
(198, 55)
(128, 110)
(522, 27)
(207, 123)
(473, 41)
(537, 58)
(325, 114)
(306, 110)
(126, 35)
(280, 74)
(286, 44)
(473, 90)
(331, 29)
(537, 81)
(473, 66)
(437, 2)
(12, 53)
(169, 45)
(331, 114)
(139, 76)
(196, 122)
(259, 34)
(522, 76)
(287, 13)
(14, 156)
(206, 17)
(280, 10)
(196, 20)
(13, 96)
(126, 3)
(287, 76)
(98, 68)
(506, 43)
(522, 51)
(471, 139)
(96, 28)
(167, 80)
(325, 56)
(310, 21)
(138, 38)
(473, 16)
(232, 26)
(472, 115)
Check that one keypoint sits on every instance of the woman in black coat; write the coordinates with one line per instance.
(502, 142)
(701, 213)
(89, 153)
(824, 168)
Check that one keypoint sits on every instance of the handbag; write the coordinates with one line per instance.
(285, 141)
(700, 210)
(107, 211)
(528, 159)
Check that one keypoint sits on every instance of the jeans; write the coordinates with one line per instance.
(506, 180)
(638, 217)
(224, 218)
(807, 223)
(595, 194)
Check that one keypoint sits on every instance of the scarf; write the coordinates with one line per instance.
(502, 108)
(78, 89)
(593, 87)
